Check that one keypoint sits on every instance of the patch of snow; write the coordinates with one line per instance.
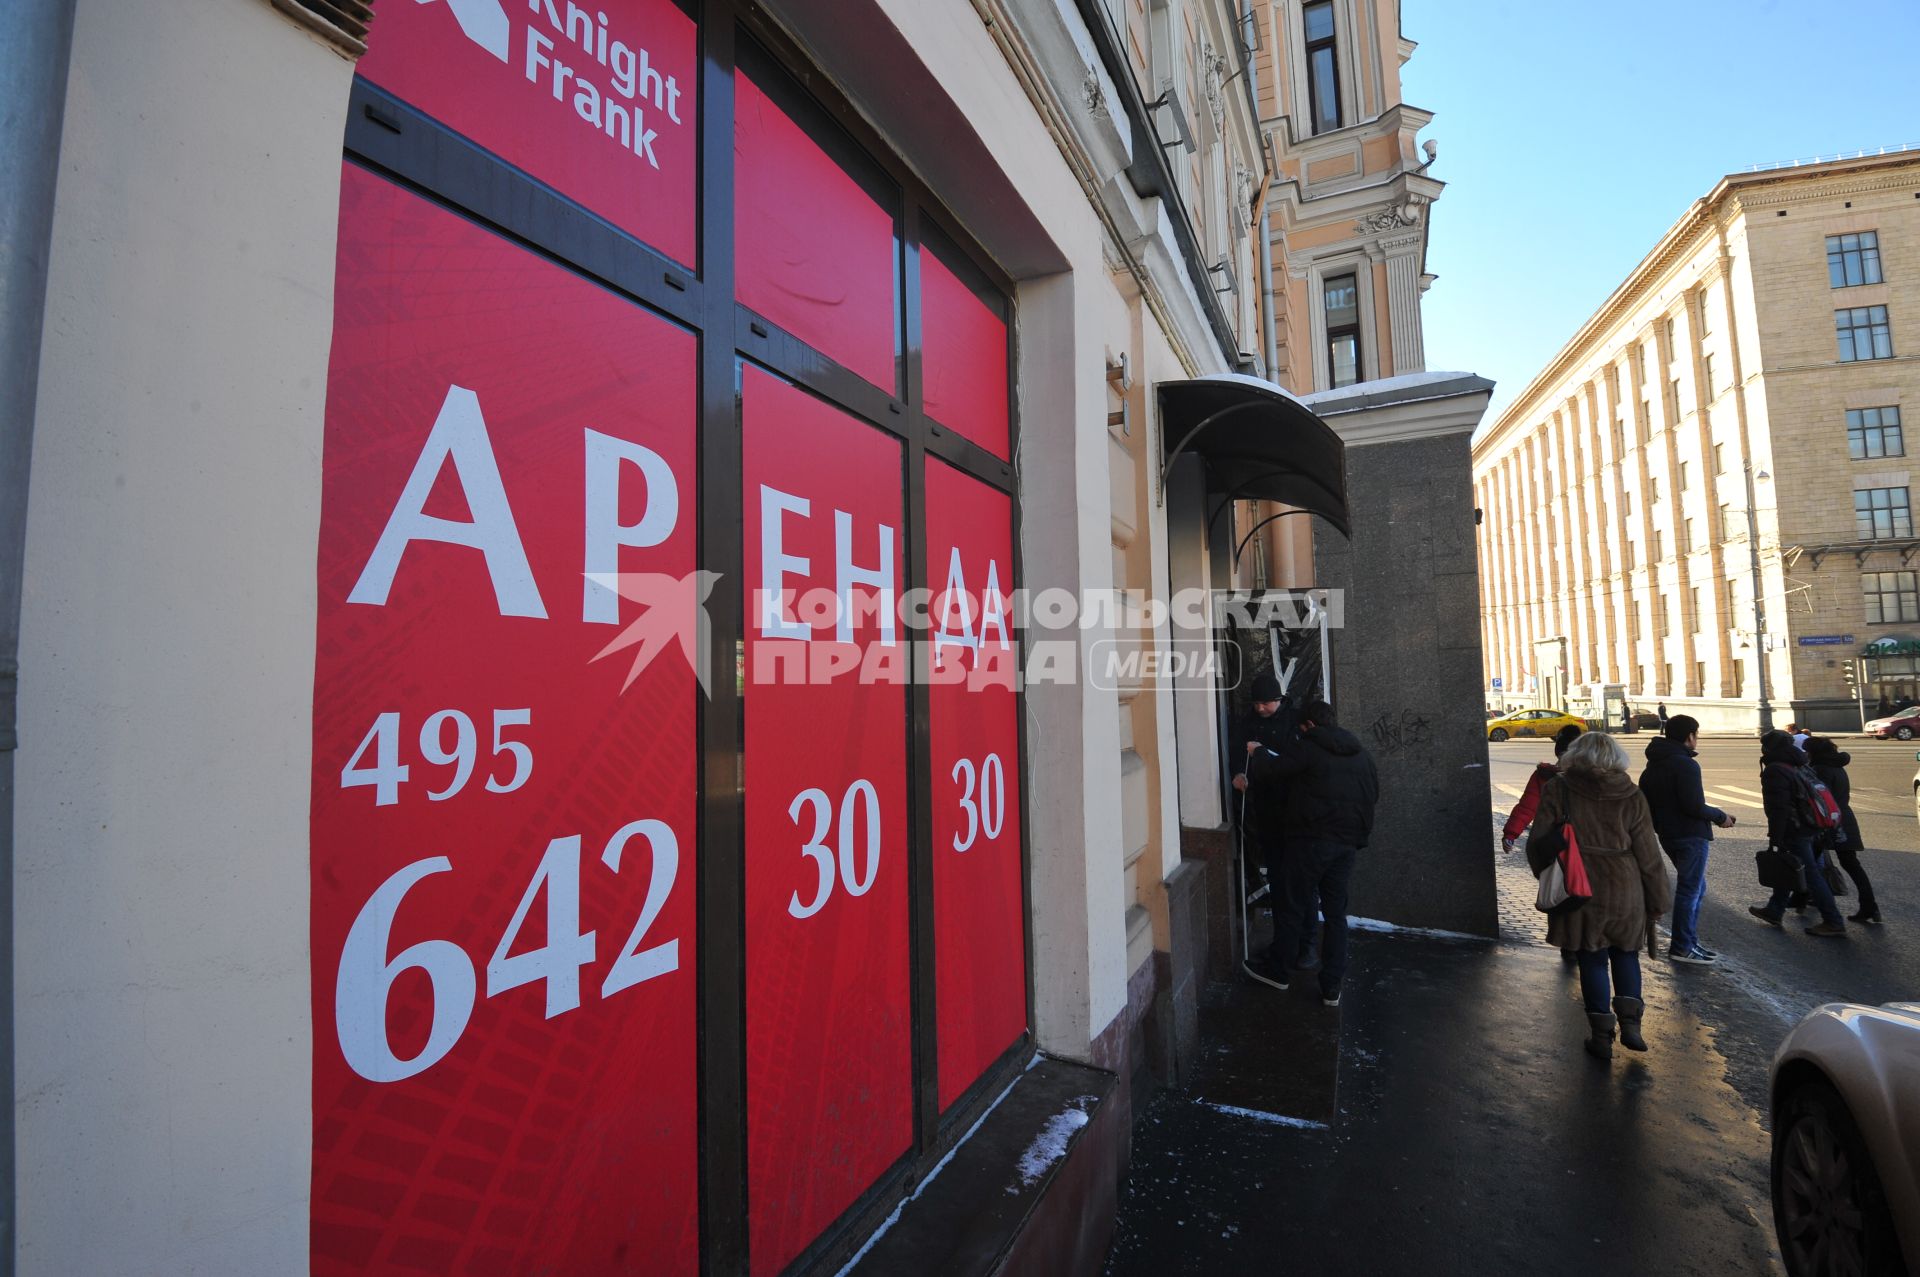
(1271, 1119)
(1050, 1145)
(1375, 924)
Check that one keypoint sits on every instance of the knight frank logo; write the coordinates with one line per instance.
(581, 56)
(484, 22)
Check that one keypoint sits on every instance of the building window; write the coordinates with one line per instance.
(1632, 557)
(1890, 597)
(1874, 432)
(1692, 543)
(1863, 333)
(1666, 680)
(1619, 439)
(1693, 597)
(1719, 458)
(1706, 323)
(1686, 475)
(1341, 297)
(1880, 513)
(1706, 369)
(1853, 259)
(1699, 678)
(1653, 486)
(1323, 68)
(1659, 553)
(1667, 329)
(1673, 400)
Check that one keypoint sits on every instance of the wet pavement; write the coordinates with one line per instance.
(1466, 1132)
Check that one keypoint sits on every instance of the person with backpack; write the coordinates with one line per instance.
(1830, 764)
(1522, 814)
(1625, 873)
(1795, 813)
(1684, 821)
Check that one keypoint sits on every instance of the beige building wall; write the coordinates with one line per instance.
(1615, 487)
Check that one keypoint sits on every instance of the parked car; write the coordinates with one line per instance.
(1845, 1095)
(1532, 722)
(1901, 725)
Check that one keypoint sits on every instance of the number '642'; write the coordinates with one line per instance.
(367, 973)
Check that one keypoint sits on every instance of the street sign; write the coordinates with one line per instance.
(1498, 684)
(1826, 640)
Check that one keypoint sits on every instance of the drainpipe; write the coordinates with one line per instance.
(33, 98)
(1269, 340)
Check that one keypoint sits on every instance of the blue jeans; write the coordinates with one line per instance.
(1689, 856)
(1802, 849)
(1593, 977)
(1311, 866)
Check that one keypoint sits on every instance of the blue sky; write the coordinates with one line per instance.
(1572, 136)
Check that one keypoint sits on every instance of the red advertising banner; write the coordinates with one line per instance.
(596, 100)
(814, 252)
(829, 1049)
(978, 899)
(964, 358)
(503, 826)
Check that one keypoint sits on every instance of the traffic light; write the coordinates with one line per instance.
(1853, 676)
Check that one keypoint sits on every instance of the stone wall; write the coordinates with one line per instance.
(1407, 671)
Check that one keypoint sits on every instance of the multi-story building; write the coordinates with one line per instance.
(366, 919)
(1704, 497)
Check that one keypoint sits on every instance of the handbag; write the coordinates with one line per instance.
(1780, 870)
(1836, 881)
(1564, 885)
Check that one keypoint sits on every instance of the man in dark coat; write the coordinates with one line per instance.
(1684, 821)
(1790, 828)
(1331, 791)
(1268, 725)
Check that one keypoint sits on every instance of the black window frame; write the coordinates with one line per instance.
(1863, 436)
(1877, 587)
(1318, 120)
(1348, 330)
(1861, 258)
(1891, 507)
(399, 143)
(1851, 321)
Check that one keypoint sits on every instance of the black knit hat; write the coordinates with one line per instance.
(1265, 687)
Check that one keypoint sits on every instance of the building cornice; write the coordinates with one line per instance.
(1710, 215)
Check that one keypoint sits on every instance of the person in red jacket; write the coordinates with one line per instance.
(1522, 814)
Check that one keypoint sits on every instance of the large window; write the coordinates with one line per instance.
(633, 975)
(1853, 259)
(1874, 432)
(1863, 333)
(1890, 596)
(1881, 513)
(1323, 67)
(1341, 298)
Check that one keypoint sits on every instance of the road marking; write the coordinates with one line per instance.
(1721, 800)
(1735, 789)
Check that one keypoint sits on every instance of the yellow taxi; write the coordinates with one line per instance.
(1532, 722)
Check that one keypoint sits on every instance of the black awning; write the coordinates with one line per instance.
(1260, 443)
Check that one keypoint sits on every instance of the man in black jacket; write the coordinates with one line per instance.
(1684, 822)
(1331, 789)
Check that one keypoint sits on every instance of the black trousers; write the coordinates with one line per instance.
(1312, 869)
(1849, 858)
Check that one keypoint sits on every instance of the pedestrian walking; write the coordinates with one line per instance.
(1787, 799)
(1629, 881)
(1829, 763)
(1626, 717)
(1522, 814)
(1684, 821)
(1268, 725)
(1331, 791)
(1660, 711)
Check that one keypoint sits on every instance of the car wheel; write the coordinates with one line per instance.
(1497, 734)
(1903, 733)
(1829, 1210)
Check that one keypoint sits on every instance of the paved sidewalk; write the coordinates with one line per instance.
(1471, 1135)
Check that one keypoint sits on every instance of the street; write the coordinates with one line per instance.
(1767, 979)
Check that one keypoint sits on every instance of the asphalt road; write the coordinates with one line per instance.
(1768, 978)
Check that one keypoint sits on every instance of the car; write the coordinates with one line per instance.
(1844, 1091)
(1532, 722)
(1901, 725)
